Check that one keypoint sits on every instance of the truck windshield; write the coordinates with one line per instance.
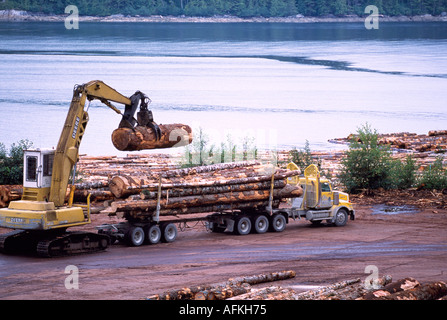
(325, 187)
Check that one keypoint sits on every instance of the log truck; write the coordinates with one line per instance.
(316, 203)
(41, 217)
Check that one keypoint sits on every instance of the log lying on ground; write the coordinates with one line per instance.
(393, 287)
(221, 291)
(139, 138)
(429, 291)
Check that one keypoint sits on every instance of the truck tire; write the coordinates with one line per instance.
(168, 232)
(261, 224)
(153, 234)
(278, 223)
(135, 236)
(242, 225)
(341, 218)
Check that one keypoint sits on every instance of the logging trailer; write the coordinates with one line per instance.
(317, 202)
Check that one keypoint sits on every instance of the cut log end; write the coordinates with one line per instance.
(144, 138)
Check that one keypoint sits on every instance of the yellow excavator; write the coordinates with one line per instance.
(41, 217)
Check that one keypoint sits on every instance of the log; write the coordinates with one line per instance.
(9, 193)
(264, 277)
(269, 293)
(96, 195)
(393, 287)
(139, 138)
(177, 192)
(208, 199)
(209, 168)
(429, 291)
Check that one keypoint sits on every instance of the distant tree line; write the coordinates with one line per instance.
(240, 8)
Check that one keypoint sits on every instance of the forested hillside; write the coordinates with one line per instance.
(240, 8)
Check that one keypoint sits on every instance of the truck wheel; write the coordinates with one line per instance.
(153, 234)
(169, 232)
(135, 236)
(242, 226)
(341, 217)
(278, 223)
(261, 224)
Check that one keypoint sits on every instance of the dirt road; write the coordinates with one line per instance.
(402, 244)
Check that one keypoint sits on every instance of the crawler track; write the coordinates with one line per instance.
(51, 244)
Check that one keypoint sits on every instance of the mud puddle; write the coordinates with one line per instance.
(393, 210)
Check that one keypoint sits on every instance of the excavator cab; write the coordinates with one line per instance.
(37, 171)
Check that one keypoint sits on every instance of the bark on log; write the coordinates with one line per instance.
(139, 138)
(96, 195)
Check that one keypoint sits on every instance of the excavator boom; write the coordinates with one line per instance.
(41, 217)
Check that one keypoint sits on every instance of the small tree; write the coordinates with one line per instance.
(367, 164)
(199, 152)
(302, 158)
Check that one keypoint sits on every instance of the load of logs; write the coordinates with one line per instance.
(241, 289)
(213, 188)
(142, 138)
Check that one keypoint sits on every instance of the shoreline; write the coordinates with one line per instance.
(24, 16)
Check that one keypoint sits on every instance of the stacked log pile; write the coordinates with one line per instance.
(241, 288)
(224, 186)
(94, 173)
(221, 291)
(355, 289)
(434, 141)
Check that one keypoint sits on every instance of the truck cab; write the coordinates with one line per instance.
(319, 200)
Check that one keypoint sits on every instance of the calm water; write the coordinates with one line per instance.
(279, 83)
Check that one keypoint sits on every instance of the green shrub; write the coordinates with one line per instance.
(11, 162)
(403, 174)
(367, 164)
(434, 177)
